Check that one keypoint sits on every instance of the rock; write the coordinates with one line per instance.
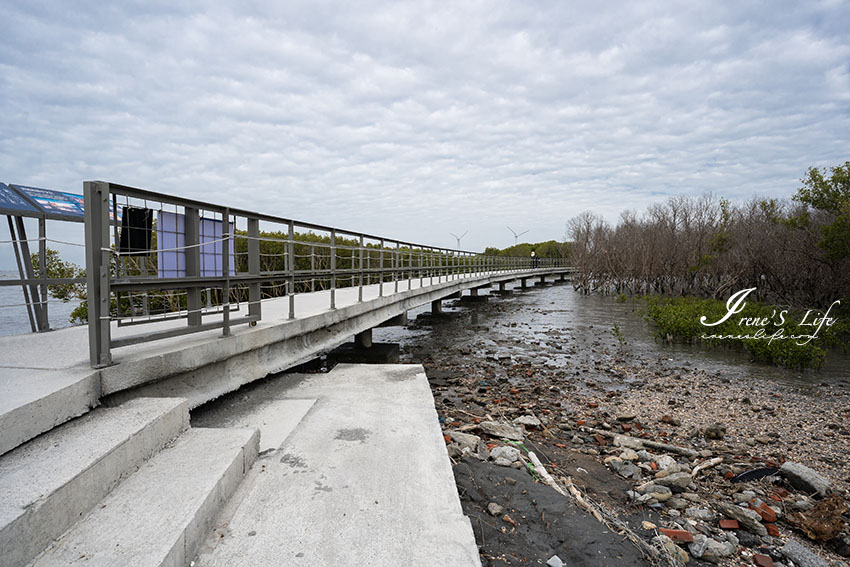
(745, 496)
(504, 456)
(715, 431)
(664, 462)
(803, 478)
(528, 421)
(555, 561)
(748, 539)
(680, 556)
(700, 514)
(648, 525)
(677, 482)
(763, 439)
(465, 440)
(629, 455)
(626, 417)
(801, 556)
(677, 504)
(710, 550)
(841, 545)
(748, 519)
(624, 469)
(502, 430)
(655, 489)
(645, 456)
(494, 509)
(628, 442)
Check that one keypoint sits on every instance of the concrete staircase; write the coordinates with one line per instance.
(126, 485)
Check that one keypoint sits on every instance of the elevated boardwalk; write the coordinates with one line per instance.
(45, 379)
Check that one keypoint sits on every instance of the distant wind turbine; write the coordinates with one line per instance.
(458, 238)
(516, 235)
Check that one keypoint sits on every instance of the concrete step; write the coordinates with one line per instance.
(49, 482)
(35, 400)
(364, 478)
(159, 515)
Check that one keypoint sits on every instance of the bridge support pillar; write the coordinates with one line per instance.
(563, 277)
(473, 292)
(524, 283)
(542, 279)
(363, 339)
(502, 286)
(437, 307)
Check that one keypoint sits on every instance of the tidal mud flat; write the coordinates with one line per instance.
(663, 455)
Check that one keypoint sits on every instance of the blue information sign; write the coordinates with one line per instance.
(56, 203)
(12, 203)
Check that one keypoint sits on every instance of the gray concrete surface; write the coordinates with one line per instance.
(158, 516)
(48, 483)
(35, 400)
(364, 479)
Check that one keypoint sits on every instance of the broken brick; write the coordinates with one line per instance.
(592, 405)
(765, 512)
(679, 536)
(760, 560)
(772, 530)
(627, 427)
(729, 524)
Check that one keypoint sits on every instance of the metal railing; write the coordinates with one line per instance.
(164, 257)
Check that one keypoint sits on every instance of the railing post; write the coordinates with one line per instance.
(381, 270)
(192, 256)
(96, 197)
(360, 273)
(225, 267)
(333, 269)
(291, 248)
(397, 266)
(312, 267)
(254, 294)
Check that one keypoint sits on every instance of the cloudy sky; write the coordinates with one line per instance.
(417, 119)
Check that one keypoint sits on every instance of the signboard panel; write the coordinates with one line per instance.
(57, 203)
(13, 204)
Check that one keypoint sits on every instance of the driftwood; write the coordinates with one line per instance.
(637, 443)
(706, 465)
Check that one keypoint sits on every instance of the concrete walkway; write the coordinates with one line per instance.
(363, 479)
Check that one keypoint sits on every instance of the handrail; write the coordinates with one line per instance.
(221, 257)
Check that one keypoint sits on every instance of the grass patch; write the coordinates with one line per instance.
(771, 334)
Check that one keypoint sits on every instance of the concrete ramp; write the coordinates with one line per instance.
(364, 479)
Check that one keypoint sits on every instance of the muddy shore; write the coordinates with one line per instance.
(628, 428)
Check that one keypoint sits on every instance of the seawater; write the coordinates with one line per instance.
(13, 314)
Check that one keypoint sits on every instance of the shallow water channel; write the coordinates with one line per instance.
(554, 325)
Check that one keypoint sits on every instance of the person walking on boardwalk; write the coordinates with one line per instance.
(535, 261)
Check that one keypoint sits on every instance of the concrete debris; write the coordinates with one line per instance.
(803, 478)
(502, 430)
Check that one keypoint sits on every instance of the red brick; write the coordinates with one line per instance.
(772, 530)
(627, 427)
(599, 439)
(580, 422)
(681, 536)
(762, 560)
(727, 524)
(592, 405)
(765, 512)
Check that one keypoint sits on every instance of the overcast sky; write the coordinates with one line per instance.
(414, 120)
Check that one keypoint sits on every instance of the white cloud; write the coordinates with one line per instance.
(416, 119)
